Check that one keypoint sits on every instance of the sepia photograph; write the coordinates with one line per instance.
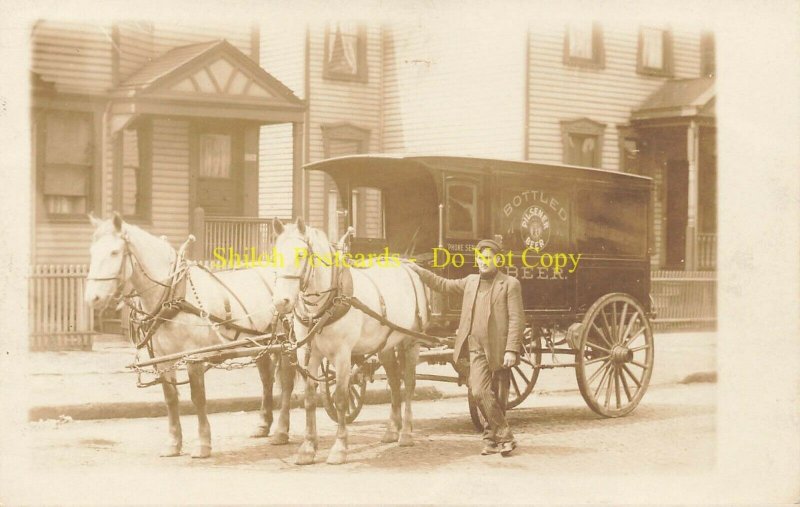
(355, 252)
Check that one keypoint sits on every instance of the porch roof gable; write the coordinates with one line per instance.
(679, 98)
(210, 79)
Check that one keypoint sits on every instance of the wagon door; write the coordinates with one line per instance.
(533, 216)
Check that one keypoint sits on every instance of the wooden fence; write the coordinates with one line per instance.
(58, 317)
(684, 299)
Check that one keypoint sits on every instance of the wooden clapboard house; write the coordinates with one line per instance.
(204, 129)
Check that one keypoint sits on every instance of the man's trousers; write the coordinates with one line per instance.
(490, 391)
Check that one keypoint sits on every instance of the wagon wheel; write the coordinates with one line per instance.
(523, 376)
(614, 360)
(355, 395)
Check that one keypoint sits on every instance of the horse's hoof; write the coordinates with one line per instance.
(337, 457)
(260, 432)
(279, 439)
(305, 454)
(171, 451)
(202, 452)
(390, 436)
(304, 458)
(406, 440)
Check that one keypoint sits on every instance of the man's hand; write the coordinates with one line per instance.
(509, 359)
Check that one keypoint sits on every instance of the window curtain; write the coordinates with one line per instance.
(652, 48)
(580, 40)
(215, 156)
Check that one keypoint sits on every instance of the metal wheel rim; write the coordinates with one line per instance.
(614, 360)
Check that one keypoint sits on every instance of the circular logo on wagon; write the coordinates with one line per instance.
(535, 228)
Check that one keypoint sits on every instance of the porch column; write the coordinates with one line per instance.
(298, 188)
(692, 151)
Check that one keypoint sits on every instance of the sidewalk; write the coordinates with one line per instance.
(96, 384)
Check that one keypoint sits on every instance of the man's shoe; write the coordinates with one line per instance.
(507, 447)
(491, 448)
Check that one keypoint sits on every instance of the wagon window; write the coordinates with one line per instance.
(462, 209)
(368, 212)
(611, 222)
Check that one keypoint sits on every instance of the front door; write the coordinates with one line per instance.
(220, 160)
(677, 212)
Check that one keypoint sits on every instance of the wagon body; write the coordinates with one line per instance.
(578, 239)
(537, 209)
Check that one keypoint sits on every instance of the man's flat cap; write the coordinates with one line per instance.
(488, 243)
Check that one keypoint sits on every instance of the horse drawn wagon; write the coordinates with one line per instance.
(576, 238)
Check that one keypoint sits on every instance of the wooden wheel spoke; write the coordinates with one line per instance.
(625, 386)
(606, 325)
(594, 375)
(605, 369)
(614, 323)
(595, 360)
(523, 359)
(620, 336)
(616, 387)
(634, 318)
(634, 336)
(640, 365)
(608, 388)
(641, 347)
(595, 346)
(519, 371)
(602, 335)
(633, 377)
(516, 386)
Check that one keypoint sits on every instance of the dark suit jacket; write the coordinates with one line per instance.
(506, 315)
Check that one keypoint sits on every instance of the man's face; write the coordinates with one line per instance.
(484, 266)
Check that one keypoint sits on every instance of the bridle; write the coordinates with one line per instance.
(305, 275)
(129, 258)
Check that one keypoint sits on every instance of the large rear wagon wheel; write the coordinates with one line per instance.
(614, 360)
(524, 375)
(355, 394)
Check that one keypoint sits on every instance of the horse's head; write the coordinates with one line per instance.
(295, 245)
(107, 267)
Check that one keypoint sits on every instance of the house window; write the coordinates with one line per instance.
(135, 174)
(655, 52)
(345, 52)
(708, 67)
(583, 45)
(67, 163)
(215, 156)
(462, 209)
(582, 142)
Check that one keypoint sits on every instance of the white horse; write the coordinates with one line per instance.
(306, 285)
(127, 261)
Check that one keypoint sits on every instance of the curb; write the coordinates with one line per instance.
(133, 410)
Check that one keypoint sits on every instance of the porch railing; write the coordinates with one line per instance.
(684, 299)
(706, 252)
(227, 237)
(58, 318)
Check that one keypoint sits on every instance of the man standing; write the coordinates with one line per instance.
(491, 326)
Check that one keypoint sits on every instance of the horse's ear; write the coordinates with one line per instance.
(301, 225)
(277, 225)
(94, 220)
(117, 221)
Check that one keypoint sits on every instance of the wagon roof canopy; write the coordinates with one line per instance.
(385, 171)
(210, 79)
